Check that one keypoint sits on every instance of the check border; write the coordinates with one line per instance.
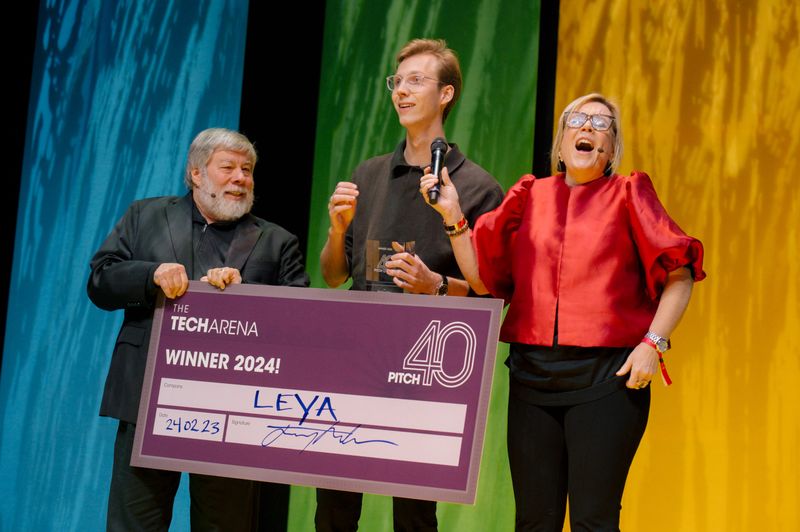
(465, 493)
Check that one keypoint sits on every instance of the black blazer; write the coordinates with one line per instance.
(158, 230)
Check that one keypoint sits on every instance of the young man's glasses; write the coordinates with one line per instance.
(414, 82)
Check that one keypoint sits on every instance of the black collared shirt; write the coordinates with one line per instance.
(210, 243)
(390, 208)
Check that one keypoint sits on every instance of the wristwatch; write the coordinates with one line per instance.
(441, 290)
(659, 343)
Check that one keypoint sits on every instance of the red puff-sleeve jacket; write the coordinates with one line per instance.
(596, 255)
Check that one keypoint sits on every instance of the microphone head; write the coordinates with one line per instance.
(438, 144)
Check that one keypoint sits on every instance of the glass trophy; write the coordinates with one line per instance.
(378, 252)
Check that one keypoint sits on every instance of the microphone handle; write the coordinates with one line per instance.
(436, 169)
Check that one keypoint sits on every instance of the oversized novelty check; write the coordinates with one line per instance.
(360, 391)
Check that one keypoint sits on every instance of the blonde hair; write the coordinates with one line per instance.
(615, 129)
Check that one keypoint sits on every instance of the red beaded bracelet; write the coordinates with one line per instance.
(459, 227)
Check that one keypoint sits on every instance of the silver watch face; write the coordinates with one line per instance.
(662, 344)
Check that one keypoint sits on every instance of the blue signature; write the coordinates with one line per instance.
(314, 435)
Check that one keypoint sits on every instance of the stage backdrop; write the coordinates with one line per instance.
(708, 92)
(119, 90)
(497, 42)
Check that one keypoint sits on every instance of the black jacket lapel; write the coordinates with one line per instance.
(179, 220)
(247, 234)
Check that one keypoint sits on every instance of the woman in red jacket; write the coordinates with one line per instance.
(597, 276)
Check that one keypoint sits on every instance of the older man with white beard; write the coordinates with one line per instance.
(158, 245)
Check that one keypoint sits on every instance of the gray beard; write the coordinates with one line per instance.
(225, 210)
(220, 208)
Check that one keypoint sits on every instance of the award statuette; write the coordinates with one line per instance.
(378, 252)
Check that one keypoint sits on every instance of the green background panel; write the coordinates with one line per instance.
(497, 43)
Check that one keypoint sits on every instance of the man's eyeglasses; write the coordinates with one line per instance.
(599, 122)
(414, 81)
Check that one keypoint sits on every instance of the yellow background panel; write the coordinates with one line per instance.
(710, 100)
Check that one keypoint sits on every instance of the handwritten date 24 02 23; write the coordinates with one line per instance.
(181, 424)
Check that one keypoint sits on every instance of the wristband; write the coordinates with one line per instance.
(460, 227)
(662, 365)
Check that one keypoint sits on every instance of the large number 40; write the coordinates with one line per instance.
(427, 354)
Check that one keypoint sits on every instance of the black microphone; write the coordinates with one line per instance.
(438, 150)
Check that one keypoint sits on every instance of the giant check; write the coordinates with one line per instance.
(360, 391)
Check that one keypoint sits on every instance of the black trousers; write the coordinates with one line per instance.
(583, 451)
(141, 498)
(339, 511)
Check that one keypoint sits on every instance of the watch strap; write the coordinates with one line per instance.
(658, 341)
(441, 289)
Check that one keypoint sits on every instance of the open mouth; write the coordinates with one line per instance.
(405, 105)
(584, 145)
